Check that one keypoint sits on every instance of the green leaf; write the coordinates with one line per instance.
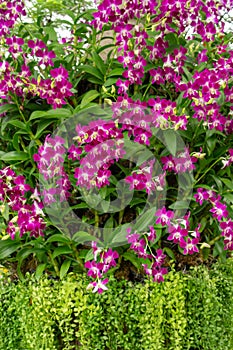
(99, 62)
(116, 71)
(133, 259)
(95, 80)
(58, 238)
(172, 39)
(5, 211)
(52, 113)
(211, 144)
(180, 98)
(14, 155)
(187, 73)
(218, 248)
(7, 247)
(7, 108)
(110, 81)
(18, 124)
(218, 182)
(170, 141)
(89, 255)
(203, 224)
(28, 250)
(228, 197)
(88, 97)
(79, 206)
(15, 142)
(42, 126)
(61, 251)
(220, 101)
(227, 182)
(145, 220)
(93, 71)
(136, 201)
(107, 231)
(50, 31)
(179, 205)
(82, 237)
(22, 255)
(119, 235)
(158, 234)
(39, 271)
(170, 253)
(64, 268)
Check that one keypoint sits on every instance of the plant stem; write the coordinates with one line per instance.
(97, 221)
(121, 215)
(212, 165)
(214, 240)
(24, 120)
(54, 263)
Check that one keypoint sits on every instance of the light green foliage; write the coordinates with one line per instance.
(38, 327)
(209, 304)
(13, 300)
(186, 312)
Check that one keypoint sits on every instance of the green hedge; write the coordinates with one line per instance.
(188, 311)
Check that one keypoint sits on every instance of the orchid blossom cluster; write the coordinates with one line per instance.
(103, 261)
(140, 244)
(50, 159)
(100, 144)
(10, 11)
(143, 245)
(25, 214)
(143, 179)
(133, 20)
(20, 60)
(218, 211)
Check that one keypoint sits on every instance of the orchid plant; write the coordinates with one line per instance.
(133, 136)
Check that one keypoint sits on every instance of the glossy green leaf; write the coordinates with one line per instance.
(7, 108)
(14, 155)
(18, 124)
(116, 71)
(42, 126)
(61, 251)
(119, 235)
(52, 113)
(227, 182)
(170, 137)
(179, 205)
(132, 258)
(5, 211)
(170, 253)
(82, 237)
(99, 62)
(58, 238)
(89, 97)
(39, 271)
(50, 31)
(64, 268)
(145, 220)
(89, 256)
(8, 247)
(92, 71)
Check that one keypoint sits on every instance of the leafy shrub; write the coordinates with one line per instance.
(188, 311)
